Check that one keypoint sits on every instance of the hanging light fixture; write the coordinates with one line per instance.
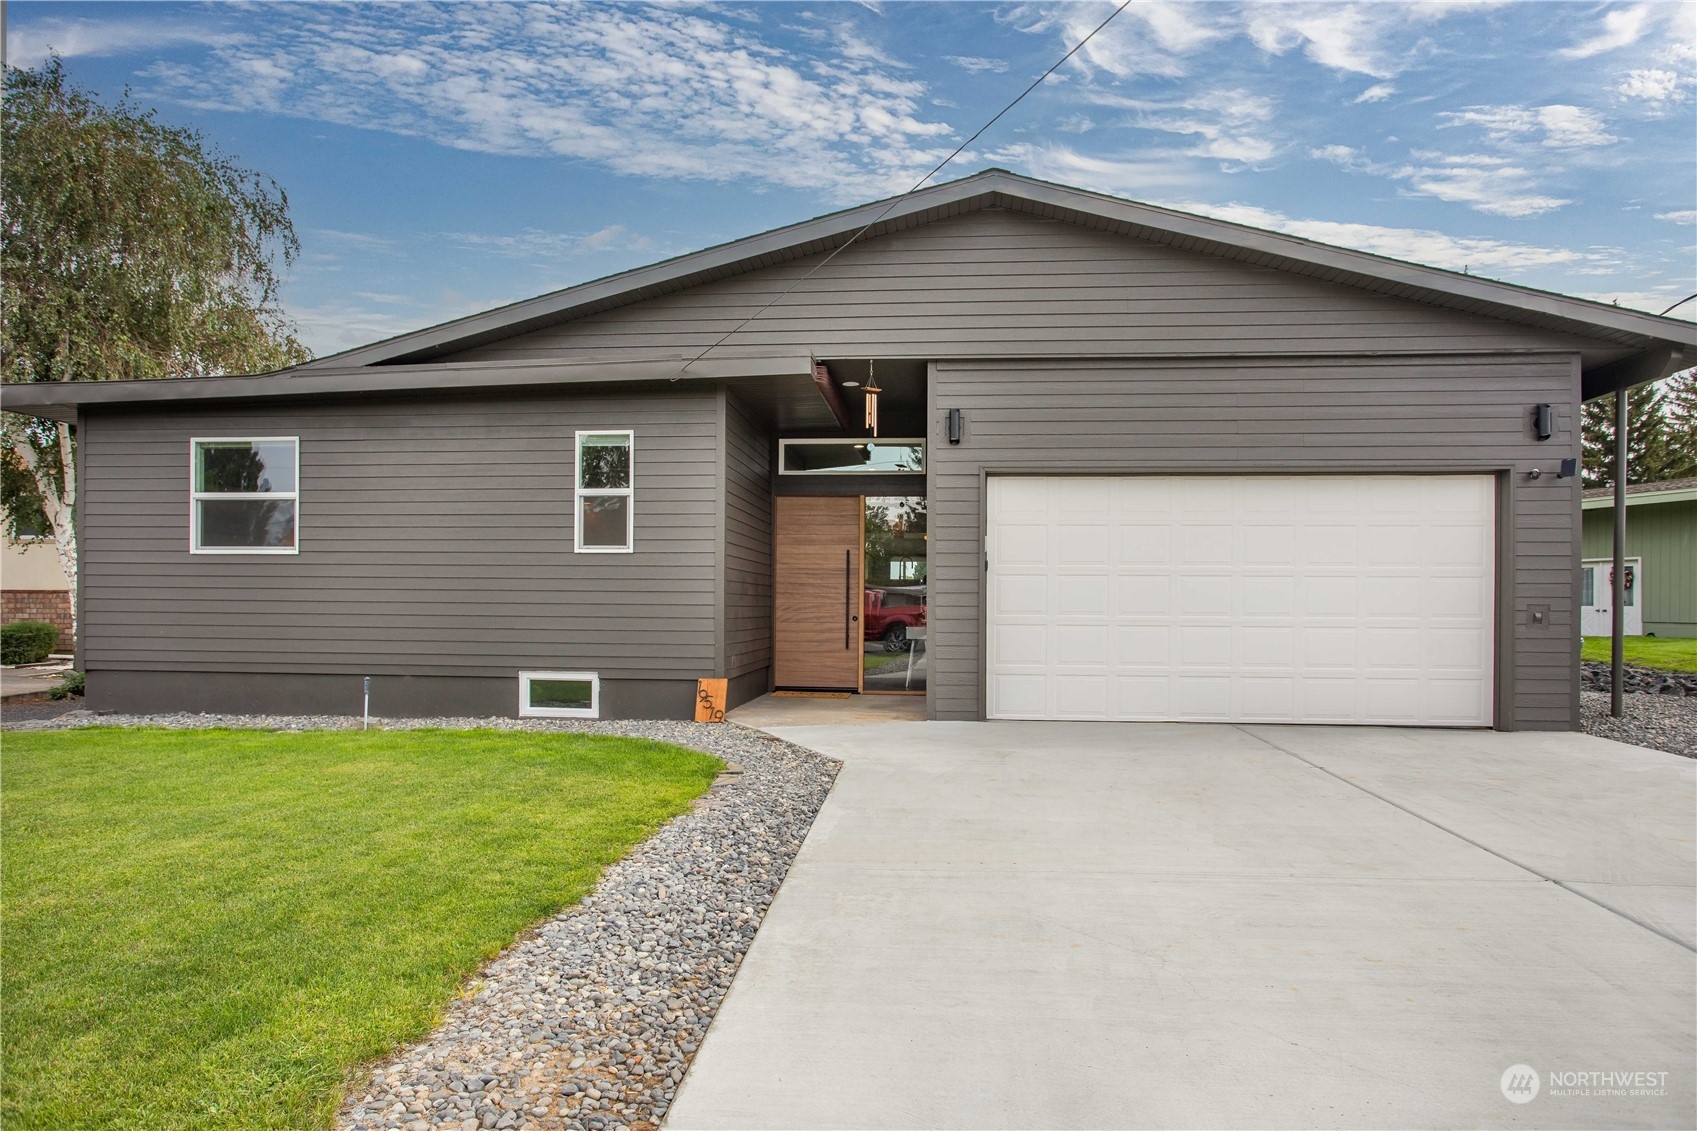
(872, 390)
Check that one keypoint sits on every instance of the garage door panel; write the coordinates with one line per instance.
(1203, 546)
(1266, 595)
(1346, 599)
(1266, 647)
(1080, 594)
(1142, 698)
(1020, 594)
(1077, 645)
(1143, 595)
(1143, 644)
(1269, 698)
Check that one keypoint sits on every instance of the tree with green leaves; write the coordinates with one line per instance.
(1682, 424)
(1655, 448)
(129, 250)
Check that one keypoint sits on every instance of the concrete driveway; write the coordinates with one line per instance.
(1095, 925)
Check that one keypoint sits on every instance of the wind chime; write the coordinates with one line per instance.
(872, 390)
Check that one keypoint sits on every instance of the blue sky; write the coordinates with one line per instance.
(446, 159)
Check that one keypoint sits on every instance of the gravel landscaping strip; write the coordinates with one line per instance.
(1661, 722)
(590, 1021)
(1595, 676)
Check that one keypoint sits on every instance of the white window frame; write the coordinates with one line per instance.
(197, 496)
(526, 711)
(887, 441)
(579, 492)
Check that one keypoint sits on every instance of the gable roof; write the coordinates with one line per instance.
(1638, 494)
(1626, 347)
(1630, 333)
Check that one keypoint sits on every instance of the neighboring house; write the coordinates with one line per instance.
(1173, 468)
(1661, 560)
(33, 586)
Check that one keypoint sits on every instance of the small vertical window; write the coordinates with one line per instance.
(1588, 586)
(605, 512)
(244, 495)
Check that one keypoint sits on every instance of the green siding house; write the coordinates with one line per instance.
(1661, 553)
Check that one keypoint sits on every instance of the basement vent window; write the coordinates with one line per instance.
(559, 695)
(243, 495)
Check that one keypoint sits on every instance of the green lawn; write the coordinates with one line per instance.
(1670, 653)
(212, 929)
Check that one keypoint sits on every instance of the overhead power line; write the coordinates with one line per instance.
(959, 149)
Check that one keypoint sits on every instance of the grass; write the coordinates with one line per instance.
(213, 929)
(1670, 653)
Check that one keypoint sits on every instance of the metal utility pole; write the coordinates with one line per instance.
(1617, 628)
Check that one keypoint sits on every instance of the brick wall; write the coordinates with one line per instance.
(50, 605)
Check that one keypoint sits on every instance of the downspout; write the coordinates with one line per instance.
(1617, 626)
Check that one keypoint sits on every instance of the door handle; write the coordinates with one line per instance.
(848, 595)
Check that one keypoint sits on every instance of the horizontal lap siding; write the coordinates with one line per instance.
(1357, 414)
(436, 539)
(999, 283)
(748, 543)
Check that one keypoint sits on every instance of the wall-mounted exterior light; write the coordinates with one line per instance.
(954, 426)
(1543, 421)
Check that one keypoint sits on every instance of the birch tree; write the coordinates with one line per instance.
(129, 250)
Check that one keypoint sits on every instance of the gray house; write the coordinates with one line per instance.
(1128, 464)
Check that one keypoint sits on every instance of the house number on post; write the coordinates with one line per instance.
(710, 700)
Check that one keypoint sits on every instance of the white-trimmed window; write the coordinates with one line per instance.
(560, 695)
(606, 510)
(244, 495)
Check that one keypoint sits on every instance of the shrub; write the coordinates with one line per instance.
(27, 642)
(71, 684)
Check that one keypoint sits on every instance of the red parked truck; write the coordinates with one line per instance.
(890, 612)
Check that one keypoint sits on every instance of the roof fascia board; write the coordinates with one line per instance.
(1684, 495)
(37, 397)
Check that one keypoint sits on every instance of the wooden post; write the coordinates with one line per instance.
(710, 700)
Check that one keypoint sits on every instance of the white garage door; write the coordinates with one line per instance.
(1313, 599)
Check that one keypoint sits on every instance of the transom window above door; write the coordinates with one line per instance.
(851, 457)
(605, 520)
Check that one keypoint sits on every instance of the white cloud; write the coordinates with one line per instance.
(1147, 38)
(1620, 28)
(1135, 178)
(1232, 126)
(1685, 216)
(1416, 245)
(1483, 182)
(29, 44)
(540, 246)
(976, 63)
(1560, 126)
(1653, 85)
(653, 91)
(1378, 92)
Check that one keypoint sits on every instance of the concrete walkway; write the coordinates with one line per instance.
(1079, 925)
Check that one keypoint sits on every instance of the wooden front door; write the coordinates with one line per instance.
(818, 580)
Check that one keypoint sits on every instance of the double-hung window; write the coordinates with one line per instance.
(605, 509)
(244, 495)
